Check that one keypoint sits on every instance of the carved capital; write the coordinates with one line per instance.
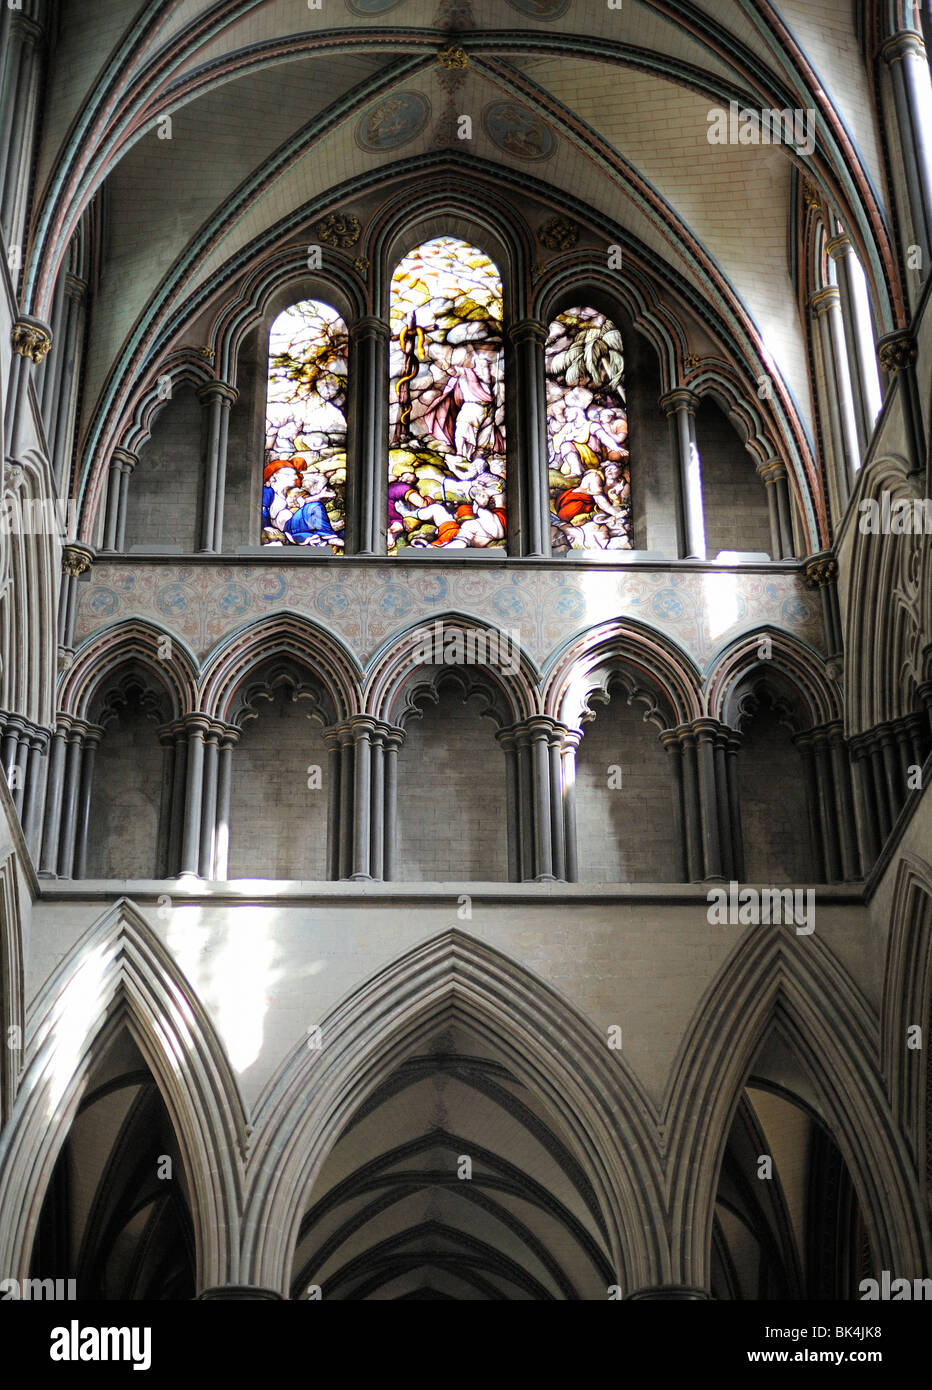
(773, 471)
(75, 560)
(680, 399)
(123, 460)
(218, 391)
(897, 352)
(821, 571)
(528, 331)
(824, 301)
(902, 46)
(839, 246)
(32, 339)
(370, 327)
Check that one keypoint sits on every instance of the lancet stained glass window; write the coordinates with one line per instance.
(587, 429)
(446, 470)
(304, 480)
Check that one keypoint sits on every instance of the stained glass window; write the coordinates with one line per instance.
(304, 479)
(446, 470)
(587, 420)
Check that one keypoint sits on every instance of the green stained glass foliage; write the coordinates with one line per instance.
(587, 427)
(304, 477)
(446, 478)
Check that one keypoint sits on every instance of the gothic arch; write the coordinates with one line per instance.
(606, 1115)
(119, 971)
(435, 209)
(288, 635)
(907, 1001)
(132, 643)
(885, 564)
(792, 665)
(398, 674)
(280, 280)
(183, 368)
(656, 670)
(831, 1029)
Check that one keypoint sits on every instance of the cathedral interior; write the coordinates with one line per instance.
(572, 937)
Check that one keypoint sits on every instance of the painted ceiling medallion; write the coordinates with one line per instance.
(517, 131)
(541, 9)
(339, 229)
(393, 122)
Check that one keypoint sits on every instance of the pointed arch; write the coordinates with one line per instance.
(775, 979)
(797, 665)
(553, 1050)
(288, 634)
(907, 1001)
(411, 664)
(138, 642)
(656, 670)
(119, 972)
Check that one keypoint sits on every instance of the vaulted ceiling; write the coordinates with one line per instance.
(280, 112)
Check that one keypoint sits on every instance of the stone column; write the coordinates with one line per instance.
(865, 808)
(508, 742)
(122, 463)
(776, 482)
(48, 859)
(670, 738)
(367, 442)
(362, 729)
(691, 808)
(69, 804)
(332, 740)
(128, 462)
(732, 746)
(76, 560)
(680, 407)
(844, 802)
(571, 741)
(212, 737)
(897, 354)
(539, 734)
(35, 791)
(31, 341)
(92, 738)
(177, 736)
(825, 305)
(707, 733)
(363, 808)
(24, 38)
(905, 56)
(860, 368)
(539, 831)
(59, 399)
(393, 738)
(377, 803)
(228, 741)
(529, 338)
(196, 727)
(218, 399)
(822, 573)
